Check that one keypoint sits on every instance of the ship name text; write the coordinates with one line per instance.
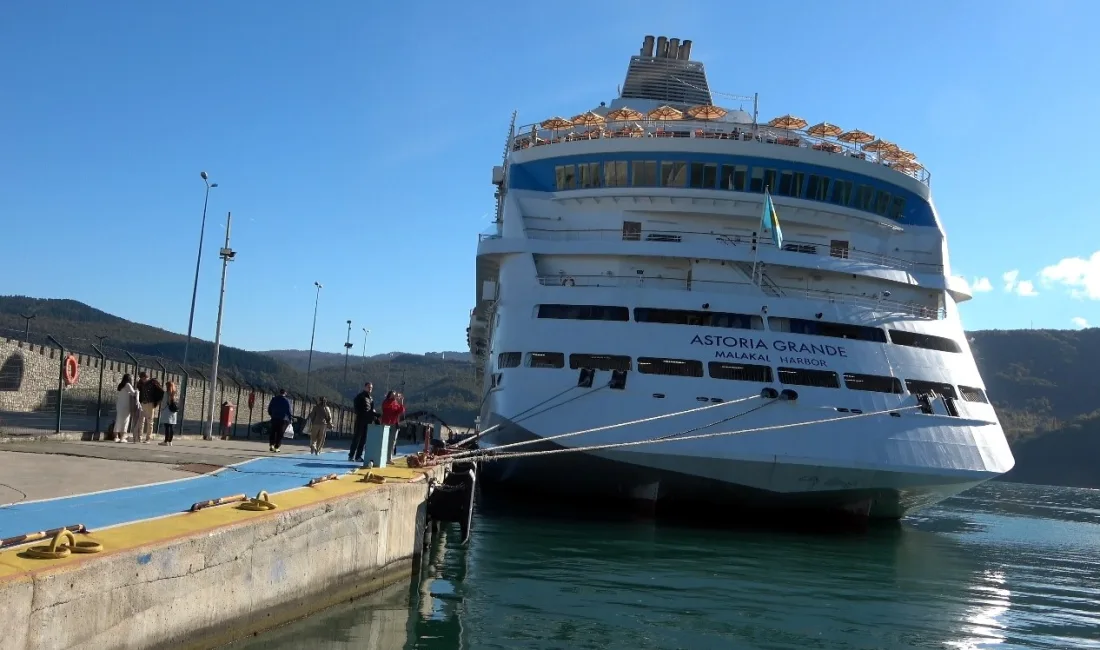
(746, 348)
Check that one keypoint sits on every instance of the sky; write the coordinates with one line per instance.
(354, 142)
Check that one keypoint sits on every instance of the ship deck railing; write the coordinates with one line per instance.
(873, 303)
(533, 135)
(730, 237)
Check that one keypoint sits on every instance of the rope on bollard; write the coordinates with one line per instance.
(261, 503)
(322, 479)
(57, 549)
(19, 540)
(202, 505)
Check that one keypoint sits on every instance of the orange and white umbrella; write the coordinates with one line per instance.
(855, 136)
(707, 112)
(788, 122)
(624, 114)
(665, 113)
(555, 123)
(589, 119)
(824, 130)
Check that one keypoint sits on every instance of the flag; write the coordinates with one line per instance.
(769, 221)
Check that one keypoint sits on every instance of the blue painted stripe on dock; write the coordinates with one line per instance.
(123, 505)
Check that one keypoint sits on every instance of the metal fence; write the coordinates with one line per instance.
(51, 383)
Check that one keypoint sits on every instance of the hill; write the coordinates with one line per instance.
(443, 387)
(1040, 381)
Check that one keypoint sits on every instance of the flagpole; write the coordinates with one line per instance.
(756, 236)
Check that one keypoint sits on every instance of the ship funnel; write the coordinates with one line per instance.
(662, 47)
(647, 46)
(673, 48)
(685, 50)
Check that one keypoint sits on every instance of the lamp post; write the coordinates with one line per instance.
(347, 351)
(227, 254)
(365, 333)
(27, 331)
(312, 337)
(194, 293)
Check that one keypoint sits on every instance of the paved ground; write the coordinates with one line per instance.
(53, 468)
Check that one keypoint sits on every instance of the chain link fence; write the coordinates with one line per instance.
(71, 384)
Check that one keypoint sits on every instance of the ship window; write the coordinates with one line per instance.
(645, 173)
(616, 173)
(762, 178)
(673, 367)
(842, 192)
(740, 372)
(918, 386)
(865, 194)
(698, 318)
(826, 328)
(584, 312)
(973, 394)
(590, 174)
(926, 341)
(790, 184)
(733, 177)
(545, 360)
(838, 248)
(897, 207)
(566, 176)
(872, 383)
(704, 175)
(632, 231)
(674, 174)
(809, 249)
(599, 361)
(509, 359)
(806, 377)
(882, 203)
(817, 187)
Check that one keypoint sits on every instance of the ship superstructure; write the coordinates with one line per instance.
(629, 275)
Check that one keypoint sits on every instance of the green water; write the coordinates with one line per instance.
(1003, 566)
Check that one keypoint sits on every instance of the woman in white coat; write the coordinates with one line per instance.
(124, 402)
(168, 408)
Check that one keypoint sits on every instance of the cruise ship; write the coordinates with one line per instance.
(750, 314)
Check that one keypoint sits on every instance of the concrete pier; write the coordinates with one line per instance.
(177, 579)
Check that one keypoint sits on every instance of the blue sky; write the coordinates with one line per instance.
(353, 142)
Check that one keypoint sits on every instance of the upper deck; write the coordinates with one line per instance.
(667, 95)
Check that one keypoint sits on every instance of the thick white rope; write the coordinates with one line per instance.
(649, 441)
(475, 452)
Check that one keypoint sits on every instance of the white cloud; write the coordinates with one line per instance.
(1080, 276)
(1079, 323)
(981, 285)
(1010, 279)
(1026, 288)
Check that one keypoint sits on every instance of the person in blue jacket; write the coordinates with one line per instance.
(281, 415)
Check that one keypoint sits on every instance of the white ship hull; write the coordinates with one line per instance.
(596, 262)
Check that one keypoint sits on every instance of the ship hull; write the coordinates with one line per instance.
(658, 483)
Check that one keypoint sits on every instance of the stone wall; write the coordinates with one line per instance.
(29, 378)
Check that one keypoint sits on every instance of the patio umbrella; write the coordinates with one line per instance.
(788, 122)
(824, 130)
(665, 113)
(707, 112)
(855, 136)
(588, 119)
(624, 114)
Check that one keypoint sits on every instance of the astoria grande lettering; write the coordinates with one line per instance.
(780, 345)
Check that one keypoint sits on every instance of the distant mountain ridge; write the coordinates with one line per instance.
(1042, 382)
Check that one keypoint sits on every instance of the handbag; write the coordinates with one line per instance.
(173, 406)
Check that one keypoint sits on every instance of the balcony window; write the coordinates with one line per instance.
(842, 192)
(865, 195)
(590, 174)
(674, 174)
(616, 173)
(704, 175)
(897, 208)
(734, 177)
(790, 184)
(566, 176)
(817, 188)
(645, 173)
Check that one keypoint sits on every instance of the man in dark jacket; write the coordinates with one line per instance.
(281, 414)
(364, 414)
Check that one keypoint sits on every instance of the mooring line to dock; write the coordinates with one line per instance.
(489, 455)
(476, 452)
(526, 415)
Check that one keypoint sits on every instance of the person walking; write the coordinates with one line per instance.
(365, 414)
(123, 406)
(393, 407)
(281, 414)
(319, 422)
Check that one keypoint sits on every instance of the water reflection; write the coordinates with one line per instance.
(1012, 566)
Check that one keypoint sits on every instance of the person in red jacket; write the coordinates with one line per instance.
(393, 407)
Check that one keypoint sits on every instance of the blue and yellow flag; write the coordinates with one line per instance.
(769, 221)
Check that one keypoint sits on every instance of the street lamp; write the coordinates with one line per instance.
(194, 294)
(27, 332)
(365, 333)
(227, 254)
(312, 337)
(347, 351)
